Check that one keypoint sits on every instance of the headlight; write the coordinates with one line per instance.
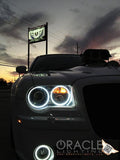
(38, 98)
(60, 95)
(44, 97)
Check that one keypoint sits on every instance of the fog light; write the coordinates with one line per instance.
(43, 152)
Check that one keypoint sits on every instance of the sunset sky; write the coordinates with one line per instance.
(91, 23)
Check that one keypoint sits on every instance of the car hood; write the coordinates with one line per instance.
(71, 75)
(67, 77)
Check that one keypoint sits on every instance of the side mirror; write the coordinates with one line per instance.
(21, 69)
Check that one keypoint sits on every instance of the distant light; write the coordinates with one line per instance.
(19, 121)
(59, 90)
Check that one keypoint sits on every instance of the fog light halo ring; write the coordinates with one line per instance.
(50, 155)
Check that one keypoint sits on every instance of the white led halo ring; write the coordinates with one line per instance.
(40, 107)
(69, 95)
(38, 148)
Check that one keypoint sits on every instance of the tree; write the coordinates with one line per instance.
(3, 83)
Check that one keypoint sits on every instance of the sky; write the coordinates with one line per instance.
(90, 23)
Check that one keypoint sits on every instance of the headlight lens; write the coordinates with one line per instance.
(44, 97)
(38, 98)
(60, 95)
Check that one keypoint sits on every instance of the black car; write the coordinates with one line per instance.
(67, 107)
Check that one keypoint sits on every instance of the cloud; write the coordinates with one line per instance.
(5, 57)
(75, 10)
(17, 61)
(16, 27)
(2, 48)
(105, 30)
(14, 73)
(6, 14)
(18, 30)
(68, 45)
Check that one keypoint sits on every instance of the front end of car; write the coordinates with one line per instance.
(51, 116)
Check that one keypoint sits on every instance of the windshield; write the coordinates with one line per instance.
(55, 62)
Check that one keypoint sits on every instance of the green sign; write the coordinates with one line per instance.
(37, 34)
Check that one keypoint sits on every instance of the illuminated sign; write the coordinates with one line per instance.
(37, 34)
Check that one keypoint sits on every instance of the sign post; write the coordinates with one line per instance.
(37, 34)
(46, 38)
(28, 50)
